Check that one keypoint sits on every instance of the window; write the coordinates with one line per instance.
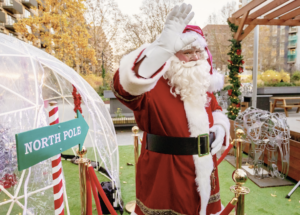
(29, 29)
(8, 3)
(10, 20)
(274, 31)
(27, 14)
(292, 51)
(281, 52)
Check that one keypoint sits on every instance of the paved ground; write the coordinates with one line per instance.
(124, 136)
(293, 119)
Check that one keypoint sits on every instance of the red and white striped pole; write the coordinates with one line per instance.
(56, 166)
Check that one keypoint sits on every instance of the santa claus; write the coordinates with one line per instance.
(169, 85)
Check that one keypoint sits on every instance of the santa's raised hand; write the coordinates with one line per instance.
(176, 21)
(169, 42)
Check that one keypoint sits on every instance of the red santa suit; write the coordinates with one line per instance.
(165, 183)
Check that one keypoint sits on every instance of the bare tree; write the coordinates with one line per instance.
(104, 18)
(147, 25)
(218, 33)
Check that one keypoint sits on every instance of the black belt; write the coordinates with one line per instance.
(180, 145)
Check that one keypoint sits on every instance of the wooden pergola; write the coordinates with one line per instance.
(265, 12)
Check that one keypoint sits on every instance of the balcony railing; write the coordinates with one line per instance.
(292, 44)
(10, 21)
(293, 30)
(294, 37)
(291, 59)
(13, 6)
(30, 3)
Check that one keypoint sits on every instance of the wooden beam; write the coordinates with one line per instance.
(290, 15)
(292, 22)
(283, 10)
(246, 32)
(267, 8)
(297, 18)
(247, 7)
(270, 22)
(241, 25)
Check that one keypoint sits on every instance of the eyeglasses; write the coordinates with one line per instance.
(192, 54)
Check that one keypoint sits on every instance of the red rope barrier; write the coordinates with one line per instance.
(229, 207)
(89, 206)
(95, 194)
(224, 154)
(100, 190)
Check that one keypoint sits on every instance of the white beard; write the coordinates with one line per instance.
(191, 81)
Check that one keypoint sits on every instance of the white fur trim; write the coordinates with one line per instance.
(204, 167)
(198, 43)
(198, 124)
(133, 213)
(216, 81)
(221, 119)
(130, 82)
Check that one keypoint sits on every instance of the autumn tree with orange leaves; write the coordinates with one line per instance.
(61, 29)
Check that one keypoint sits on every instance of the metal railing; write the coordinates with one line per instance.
(291, 58)
(292, 44)
(294, 37)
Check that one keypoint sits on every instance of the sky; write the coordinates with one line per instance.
(201, 8)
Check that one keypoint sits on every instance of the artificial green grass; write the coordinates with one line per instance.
(258, 201)
(127, 179)
(71, 174)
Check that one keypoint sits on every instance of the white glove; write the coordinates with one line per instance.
(219, 134)
(169, 41)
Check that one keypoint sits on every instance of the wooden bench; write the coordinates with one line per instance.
(284, 104)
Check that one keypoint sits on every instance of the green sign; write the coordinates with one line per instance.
(42, 143)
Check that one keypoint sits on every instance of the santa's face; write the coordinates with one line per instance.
(192, 54)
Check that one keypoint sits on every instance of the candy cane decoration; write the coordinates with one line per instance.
(56, 167)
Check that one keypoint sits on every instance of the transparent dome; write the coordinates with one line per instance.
(29, 79)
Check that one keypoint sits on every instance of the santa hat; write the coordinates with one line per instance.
(217, 79)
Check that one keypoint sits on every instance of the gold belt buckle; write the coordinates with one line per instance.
(199, 148)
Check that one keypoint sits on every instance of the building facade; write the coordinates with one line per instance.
(277, 47)
(293, 48)
(13, 10)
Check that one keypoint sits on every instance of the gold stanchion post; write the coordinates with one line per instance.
(239, 148)
(82, 177)
(239, 175)
(130, 206)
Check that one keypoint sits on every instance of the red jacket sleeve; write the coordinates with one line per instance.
(214, 103)
(130, 88)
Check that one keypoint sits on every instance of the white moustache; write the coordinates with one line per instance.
(192, 63)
